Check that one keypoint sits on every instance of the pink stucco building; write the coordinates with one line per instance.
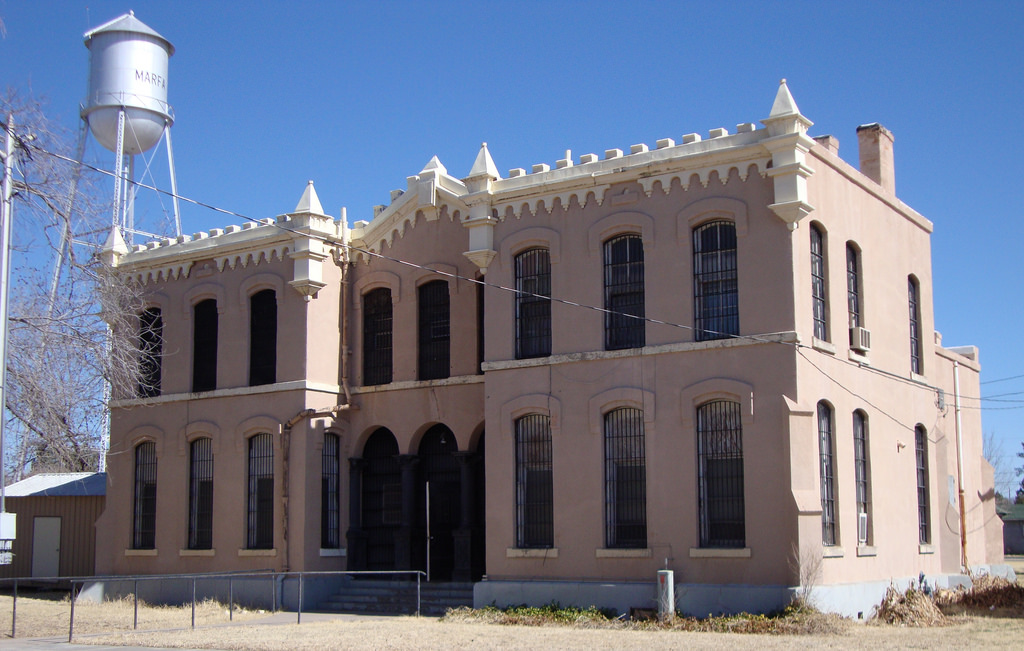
(715, 356)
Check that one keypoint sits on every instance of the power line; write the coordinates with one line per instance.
(759, 338)
(1002, 379)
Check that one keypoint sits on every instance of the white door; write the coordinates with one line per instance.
(45, 546)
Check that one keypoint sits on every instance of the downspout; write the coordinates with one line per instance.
(960, 467)
(286, 441)
(340, 255)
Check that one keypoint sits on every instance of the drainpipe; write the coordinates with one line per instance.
(960, 467)
(286, 441)
(340, 255)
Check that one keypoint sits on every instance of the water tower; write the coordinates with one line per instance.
(127, 110)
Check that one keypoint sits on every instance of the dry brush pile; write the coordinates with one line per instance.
(987, 595)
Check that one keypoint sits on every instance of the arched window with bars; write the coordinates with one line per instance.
(715, 283)
(720, 488)
(625, 479)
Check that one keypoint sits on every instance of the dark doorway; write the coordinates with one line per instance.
(438, 470)
(381, 499)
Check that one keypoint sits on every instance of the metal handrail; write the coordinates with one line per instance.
(194, 577)
(230, 575)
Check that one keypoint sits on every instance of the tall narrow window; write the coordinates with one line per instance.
(625, 479)
(151, 348)
(377, 337)
(533, 304)
(826, 466)
(144, 513)
(263, 338)
(720, 475)
(818, 295)
(204, 346)
(435, 332)
(914, 299)
(853, 285)
(534, 507)
(330, 521)
(260, 534)
(624, 292)
(715, 286)
(200, 494)
(862, 469)
(924, 535)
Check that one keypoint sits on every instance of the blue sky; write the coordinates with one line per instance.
(358, 96)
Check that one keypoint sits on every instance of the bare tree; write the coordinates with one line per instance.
(72, 331)
(996, 455)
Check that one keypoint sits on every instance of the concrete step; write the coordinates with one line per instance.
(397, 597)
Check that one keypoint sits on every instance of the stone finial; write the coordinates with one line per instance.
(309, 202)
(785, 116)
(483, 166)
(434, 165)
(784, 102)
(114, 248)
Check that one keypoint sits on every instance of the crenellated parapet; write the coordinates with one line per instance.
(776, 151)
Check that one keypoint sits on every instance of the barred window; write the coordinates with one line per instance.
(263, 337)
(625, 479)
(330, 466)
(260, 533)
(204, 346)
(434, 329)
(715, 285)
(624, 292)
(151, 348)
(862, 470)
(826, 466)
(534, 504)
(924, 528)
(377, 309)
(720, 474)
(853, 285)
(818, 295)
(533, 304)
(144, 512)
(200, 494)
(914, 299)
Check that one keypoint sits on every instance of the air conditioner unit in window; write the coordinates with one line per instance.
(862, 528)
(860, 339)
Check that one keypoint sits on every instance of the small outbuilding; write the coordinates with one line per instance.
(1013, 528)
(56, 524)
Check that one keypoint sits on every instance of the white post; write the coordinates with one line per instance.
(666, 596)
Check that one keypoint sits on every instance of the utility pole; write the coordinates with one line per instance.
(7, 520)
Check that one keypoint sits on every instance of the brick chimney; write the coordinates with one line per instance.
(876, 158)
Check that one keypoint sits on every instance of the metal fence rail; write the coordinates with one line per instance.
(271, 575)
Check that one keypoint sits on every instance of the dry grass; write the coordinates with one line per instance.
(49, 614)
(988, 595)
(910, 608)
(795, 620)
(168, 627)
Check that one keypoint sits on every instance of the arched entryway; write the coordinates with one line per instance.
(439, 500)
(388, 507)
(381, 502)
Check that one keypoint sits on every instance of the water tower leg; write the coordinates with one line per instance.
(174, 181)
(119, 162)
(130, 190)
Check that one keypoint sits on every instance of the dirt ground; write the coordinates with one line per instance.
(425, 633)
(111, 624)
